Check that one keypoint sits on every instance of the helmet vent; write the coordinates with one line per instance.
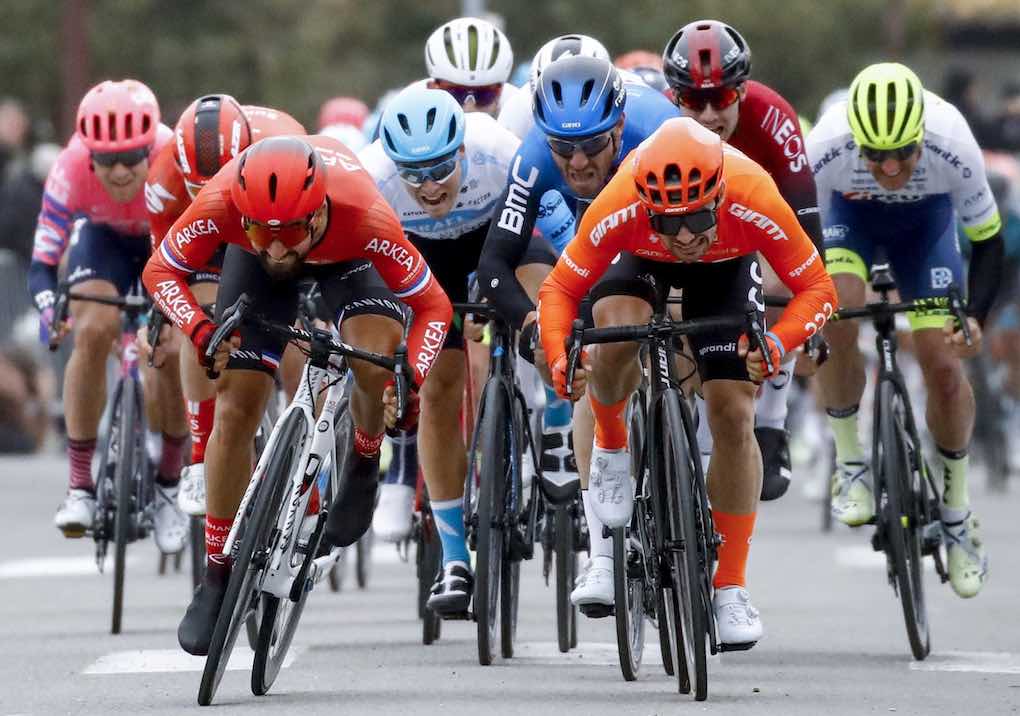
(310, 174)
(557, 90)
(448, 43)
(710, 184)
(586, 89)
(472, 34)
(404, 124)
(111, 123)
(207, 138)
(672, 174)
(389, 141)
(495, 51)
(129, 126)
(272, 187)
(452, 134)
(430, 119)
(890, 107)
(705, 60)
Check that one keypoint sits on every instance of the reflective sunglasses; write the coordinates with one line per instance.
(590, 147)
(438, 171)
(900, 154)
(128, 159)
(483, 96)
(262, 235)
(697, 222)
(696, 100)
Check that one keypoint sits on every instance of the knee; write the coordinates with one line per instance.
(238, 414)
(370, 379)
(95, 332)
(944, 379)
(732, 417)
(442, 390)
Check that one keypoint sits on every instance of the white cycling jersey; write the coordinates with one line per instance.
(488, 149)
(950, 164)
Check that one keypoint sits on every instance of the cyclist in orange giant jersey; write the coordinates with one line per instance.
(686, 211)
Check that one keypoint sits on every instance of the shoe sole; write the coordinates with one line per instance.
(742, 646)
(74, 531)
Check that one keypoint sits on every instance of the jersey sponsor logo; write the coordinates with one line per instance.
(949, 156)
(804, 266)
(770, 227)
(392, 250)
(198, 227)
(730, 347)
(155, 195)
(182, 152)
(836, 231)
(80, 273)
(516, 204)
(332, 158)
(975, 198)
(785, 134)
(432, 343)
(883, 197)
(572, 265)
(812, 327)
(174, 303)
(941, 277)
(611, 222)
(829, 156)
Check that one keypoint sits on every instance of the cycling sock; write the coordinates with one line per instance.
(610, 427)
(601, 551)
(954, 471)
(169, 472)
(200, 422)
(367, 445)
(449, 516)
(216, 531)
(153, 445)
(705, 441)
(557, 410)
(403, 467)
(844, 431)
(735, 532)
(80, 453)
(770, 408)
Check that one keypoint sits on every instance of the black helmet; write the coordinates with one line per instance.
(705, 54)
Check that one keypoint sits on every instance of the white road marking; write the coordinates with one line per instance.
(985, 662)
(55, 567)
(147, 661)
(864, 557)
(588, 653)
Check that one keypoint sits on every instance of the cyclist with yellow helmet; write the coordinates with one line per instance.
(897, 167)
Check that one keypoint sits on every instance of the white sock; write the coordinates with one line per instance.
(154, 445)
(770, 408)
(601, 547)
(705, 442)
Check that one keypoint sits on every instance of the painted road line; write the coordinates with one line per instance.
(55, 567)
(984, 662)
(149, 661)
(587, 653)
(864, 557)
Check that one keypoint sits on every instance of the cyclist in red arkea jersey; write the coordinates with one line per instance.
(210, 132)
(759, 122)
(290, 208)
(683, 211)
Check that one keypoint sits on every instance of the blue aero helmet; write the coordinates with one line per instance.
(420, 124)
(578, 97)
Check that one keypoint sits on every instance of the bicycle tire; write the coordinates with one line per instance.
(196, 535)
(685, 561)
(494, 455)
(509, 601)
(276, 631)
(510, 577)
(902, 523)
(125, 510)
(429, 557)
(566, 570)
(256, 525)
(363, 563)
(628, 590)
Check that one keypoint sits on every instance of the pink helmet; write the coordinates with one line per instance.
(118, 116)
(343, 110)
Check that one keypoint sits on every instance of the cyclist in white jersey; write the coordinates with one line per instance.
(897, 167)
(442, 170)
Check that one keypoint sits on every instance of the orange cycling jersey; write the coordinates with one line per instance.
(752, 217)
(166, 196)
(361, 225)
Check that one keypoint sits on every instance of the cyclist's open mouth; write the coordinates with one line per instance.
(434, 201)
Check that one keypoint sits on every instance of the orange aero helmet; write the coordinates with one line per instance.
(679, 168)
(211, 131)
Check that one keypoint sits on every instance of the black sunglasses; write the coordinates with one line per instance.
(900, 154)
(438, 171)
(129, 158)
(590, 146)
(697, 222)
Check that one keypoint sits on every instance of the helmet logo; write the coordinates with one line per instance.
(420, 150)
(732, 54)
(682, 61)
(570, 125)
(235, 138)
(274, 222)
(182, 155)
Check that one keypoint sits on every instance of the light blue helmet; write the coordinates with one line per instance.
(578, 97)
(420, 124)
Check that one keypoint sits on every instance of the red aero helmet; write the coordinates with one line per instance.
(210, 132)
(678, 169)
(343, 110)
(706, 54)
(118, 117)
(279, 180)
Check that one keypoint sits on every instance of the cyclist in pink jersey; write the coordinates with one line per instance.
(100, 176)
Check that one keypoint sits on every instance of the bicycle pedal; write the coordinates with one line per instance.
(743, 646)
(453, 616)
(597, 611)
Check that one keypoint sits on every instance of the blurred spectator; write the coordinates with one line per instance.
(14, 130)
(20, 199)
(23, 418)
(1007, 122)
(960, 90)
(342, 118)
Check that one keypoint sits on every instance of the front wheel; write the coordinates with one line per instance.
(124, 480)
(628, 589)
(566, 574)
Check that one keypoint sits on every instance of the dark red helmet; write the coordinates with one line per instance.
(280, 180)
(211, 131)
(706, 54)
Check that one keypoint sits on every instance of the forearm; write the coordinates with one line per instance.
(986, 268)
(42, 283)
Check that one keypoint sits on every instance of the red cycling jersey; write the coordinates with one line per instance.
(768, 132)
(752, 217)
(361, 225)
(166, 196)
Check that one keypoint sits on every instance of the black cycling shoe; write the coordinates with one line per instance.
(775, 455)
(451, 594)
(350, 515)
(195, 630)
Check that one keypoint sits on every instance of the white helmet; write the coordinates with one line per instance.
(565, 46)
(469, 52)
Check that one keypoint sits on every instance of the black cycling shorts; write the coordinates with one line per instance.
(708, 289)
(99, 253)
(351, 288)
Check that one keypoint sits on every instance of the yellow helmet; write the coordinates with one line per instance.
(886, 107)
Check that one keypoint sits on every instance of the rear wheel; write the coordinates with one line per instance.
(279, 622)
(566, 573)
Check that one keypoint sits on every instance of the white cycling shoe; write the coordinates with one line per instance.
(595, 586)
(191, 492)
(968, 561)
(169, 524)
(392, 519)
(76, 514)
(737, 619)
(610, 487)
(853, 498)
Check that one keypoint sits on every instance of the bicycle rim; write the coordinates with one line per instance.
(494, 455)
(628, 593)
(279, 622)
(902, 519)
(125, 509)
(241, 597)
(566, 568)
(430, 562)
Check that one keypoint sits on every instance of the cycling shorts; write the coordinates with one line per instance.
(919, 239)
(351, 288)
(98, 253)
(708, 290)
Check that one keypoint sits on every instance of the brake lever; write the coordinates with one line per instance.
(60, 310)
(758, 336)
(156, 321)
(956, 305)
(231, 319)
(400, 379)
(574, 353)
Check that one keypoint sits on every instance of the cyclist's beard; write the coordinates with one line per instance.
(281, 270)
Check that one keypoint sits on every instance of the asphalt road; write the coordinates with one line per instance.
(835, 642)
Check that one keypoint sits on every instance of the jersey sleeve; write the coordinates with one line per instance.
(827, 152)
(165, 195)
(972, 196)
(52, 230)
